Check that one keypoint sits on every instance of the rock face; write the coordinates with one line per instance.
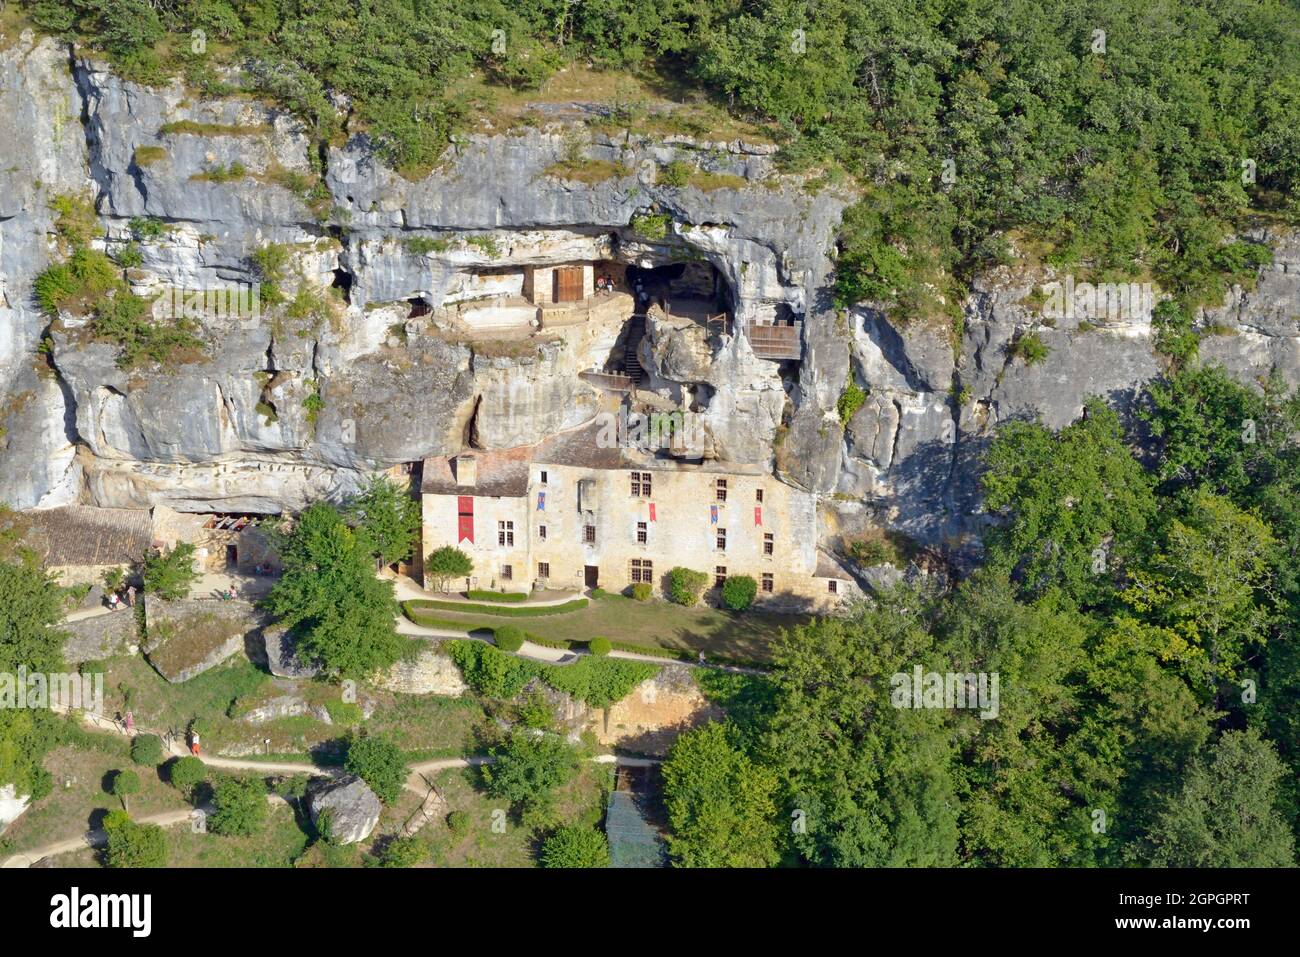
(430, 672)
(12, 805)
(277, 411)
(100, 637)
(351, 809)
(281, 658)
(190, 636)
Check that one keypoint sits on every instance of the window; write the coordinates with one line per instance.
(541, 533)
(543, 478)
(589, 534)
(767, 583)
(833, 587)
(642, 571)
(719, 575)
(543, 569)
(722, 539)
(642, 534)
(640, 484)
(506, 534)
(721, 490)
(758, 495)
(507, 572)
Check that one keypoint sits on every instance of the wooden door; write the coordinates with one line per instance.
(568, 284)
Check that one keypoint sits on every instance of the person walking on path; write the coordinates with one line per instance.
(130, 595)
(194, 743)
(129, 723)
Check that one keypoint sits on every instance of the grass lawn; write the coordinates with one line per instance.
(279, 844)
(742, 636)
(582, 800)
(79, 800)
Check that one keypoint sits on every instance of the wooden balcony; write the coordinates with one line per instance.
(775, 342)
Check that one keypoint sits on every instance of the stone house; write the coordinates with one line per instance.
(78, 544)
(569, 513)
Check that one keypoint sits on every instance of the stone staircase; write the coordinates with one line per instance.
(631, 364)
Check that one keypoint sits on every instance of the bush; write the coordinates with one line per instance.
(509, 638)
(676, 173)
(458, 822)
(380, 763)
(739, 591)
(479, 594)
(575, 846)
(642, 591)
(169, 575)
(599, 646)
(1029, 347)
(131, 844)
(685, 585)
(403, 852)
(240, 807)
(187, 773)
(147, 749)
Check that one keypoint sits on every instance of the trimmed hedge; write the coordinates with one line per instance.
(739, 592)
(599, 646)
(509, 638)
(480, 594)
(642, 591)
(686, 585)
(147, 749)
(469, 608)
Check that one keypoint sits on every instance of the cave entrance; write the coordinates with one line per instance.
(688, 289)
(343, 283)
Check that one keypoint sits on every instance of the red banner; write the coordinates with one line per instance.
(652, 511)
(465, 516)
(758, 515)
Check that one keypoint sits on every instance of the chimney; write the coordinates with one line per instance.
(466, 469)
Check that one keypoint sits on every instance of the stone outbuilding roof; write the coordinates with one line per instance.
(82, 535)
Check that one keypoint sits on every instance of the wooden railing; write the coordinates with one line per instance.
(775, 342)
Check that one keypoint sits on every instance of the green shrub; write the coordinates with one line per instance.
(685, 585)
(240, 807)
(851, 399)
(642, 591)
(423, 245)
(78, 284)
(187, 773)
(380, 763)
(574, 845)
(403, 852)
(1029, 347)
(445, 563)
(148, 155)
(739, 591)
(147, 749)
(509, 638)
(599, 646)
(131, 844)
(651, 226)
(458, 822)
(676, 174)
(169, 575)
(480, 594)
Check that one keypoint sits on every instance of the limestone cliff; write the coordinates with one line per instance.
(284, 409)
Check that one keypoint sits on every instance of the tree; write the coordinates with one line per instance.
(446, 563)
(721, 804)
(340, 614)
(528, 766)
(146, 749)
(389, 516)
(1228, 812)
(125, 783)
(403, 852)
(169, 575)
(380, 763)
(739, 591)
(131, 844)
(187, 773)
(575, 845)
(240, 807)
(873, 784)
(1074, 505)
(685, 585)
(30, 610)
(1207, 584)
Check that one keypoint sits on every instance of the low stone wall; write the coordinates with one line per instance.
(100, 637)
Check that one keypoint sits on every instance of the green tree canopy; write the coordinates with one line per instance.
(380, 763)
(574, 845)
(339, 612)
(389, 516)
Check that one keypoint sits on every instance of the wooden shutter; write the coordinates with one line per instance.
(568, 284)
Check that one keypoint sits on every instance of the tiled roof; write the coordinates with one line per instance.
(83, 535)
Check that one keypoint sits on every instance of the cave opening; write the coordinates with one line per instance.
(343, 283)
